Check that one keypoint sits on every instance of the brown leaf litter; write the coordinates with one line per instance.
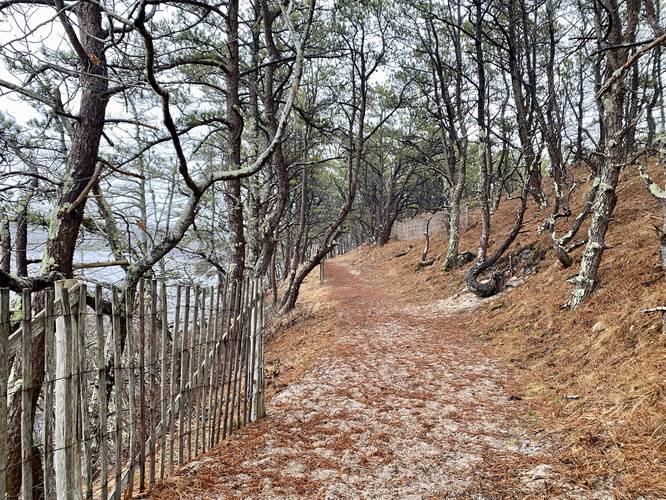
(388, 402)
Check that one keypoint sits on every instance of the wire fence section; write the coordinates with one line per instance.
(106, 395)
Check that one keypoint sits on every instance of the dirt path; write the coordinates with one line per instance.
(402, 406)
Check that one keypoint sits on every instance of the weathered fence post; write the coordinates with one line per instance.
(4, 341)
(141, 348)
(117, 389)
(240, 415)
(191, 400)
(238, 340)
(232, 339)
(211, 348)
(26, 396)
(67, 469)
(49, 381)
(75, 387)
(228, 357)
(214, 369)
(249, 358)
(184, 378)
(199, 409)
(131, 367)
(84, 420)
(152, 381)
(175, 389)
(163, 369)
(216, 389)
(261, 375)
(101, 388)
(256, 351)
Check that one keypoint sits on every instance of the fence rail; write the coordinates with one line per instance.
(110, 404)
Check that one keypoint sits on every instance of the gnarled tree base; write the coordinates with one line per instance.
(459, 260)
(484, 289)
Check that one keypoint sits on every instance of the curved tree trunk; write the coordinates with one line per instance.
(496, 282)
(604, 205)
(561, 245)
(652, 103)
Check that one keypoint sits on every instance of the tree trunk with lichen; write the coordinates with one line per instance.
(233, 187)
(5, 242)
(66, 220)
(561, 245)
(603, 209)
(654, 100)
(82, 157)
(495, 283)
(452, 260)
(613, 103)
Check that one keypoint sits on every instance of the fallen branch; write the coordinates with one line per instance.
(403, 252)
(471, 227)
(661, 309)
(651, 281)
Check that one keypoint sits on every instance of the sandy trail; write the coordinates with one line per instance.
(403, 406)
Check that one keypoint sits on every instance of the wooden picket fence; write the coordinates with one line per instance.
(126, 398)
